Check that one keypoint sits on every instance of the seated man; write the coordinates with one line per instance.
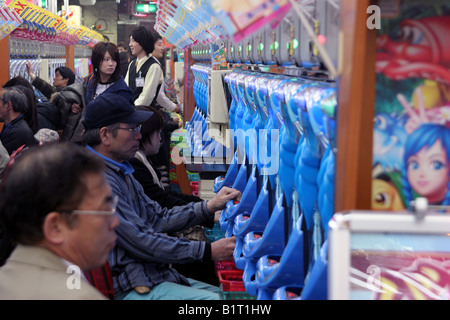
(15, 132)
(149, 177)
(63, 77)
(56, 204)
(140, 262)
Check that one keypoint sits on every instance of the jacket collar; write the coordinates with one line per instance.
(125, 166)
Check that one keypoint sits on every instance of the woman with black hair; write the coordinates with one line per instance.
(106, 76)
(145, 170)
(143, 69)
(145, 75)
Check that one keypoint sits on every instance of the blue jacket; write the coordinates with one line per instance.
(143, 252)
(119, 87)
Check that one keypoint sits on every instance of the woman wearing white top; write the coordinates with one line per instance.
(145, 75)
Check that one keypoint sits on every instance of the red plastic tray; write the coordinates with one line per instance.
(231, 280)
(225, 265)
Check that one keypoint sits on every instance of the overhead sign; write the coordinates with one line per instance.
(146, 7)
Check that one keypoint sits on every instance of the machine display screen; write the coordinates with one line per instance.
(388, 266)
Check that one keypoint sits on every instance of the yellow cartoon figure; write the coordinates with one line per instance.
(385, 195)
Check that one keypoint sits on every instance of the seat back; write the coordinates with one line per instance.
(101, 278)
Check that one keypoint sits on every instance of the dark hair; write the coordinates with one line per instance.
(124, 62)
(153, 124)
(31, 115)
(98, 54)
(66, 73)
(122, 44)
(144, 37)
(91, 137)
(156, 36)
(124, 57)
(17, 98)
(161, 60)
(30, 191)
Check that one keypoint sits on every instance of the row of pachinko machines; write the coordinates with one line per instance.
(283, 161)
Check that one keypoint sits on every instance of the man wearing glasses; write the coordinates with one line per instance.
(140, 262)
(57, 205)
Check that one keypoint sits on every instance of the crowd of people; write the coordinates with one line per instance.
(81, 190)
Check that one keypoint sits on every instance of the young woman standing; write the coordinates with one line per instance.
(106, 76)
(145, 75)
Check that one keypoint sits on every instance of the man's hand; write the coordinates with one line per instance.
(30, 70)
(222, 197)
(217, 216)
(223, 249)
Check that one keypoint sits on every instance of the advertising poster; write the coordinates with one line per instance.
(411, 146)
(386, 266)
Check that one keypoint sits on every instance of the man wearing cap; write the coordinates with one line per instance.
(140, 262)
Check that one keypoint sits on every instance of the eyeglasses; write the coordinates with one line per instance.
(134, 130)
(111, 212)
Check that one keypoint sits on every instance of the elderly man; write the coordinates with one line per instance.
(141, 260)
(16, 131)
(56, 204)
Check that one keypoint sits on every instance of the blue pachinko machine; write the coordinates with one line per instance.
(272, 114)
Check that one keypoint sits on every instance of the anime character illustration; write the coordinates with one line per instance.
(427, 164)
(389, 137)
(412, 109)
(429, 104)
(385, 194)
(422, 52)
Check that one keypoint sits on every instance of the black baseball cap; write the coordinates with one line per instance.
(111, 108)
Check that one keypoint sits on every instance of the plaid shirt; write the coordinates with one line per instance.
(143, 252)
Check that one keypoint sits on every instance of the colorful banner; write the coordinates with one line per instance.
(241, 18)
(40, 24)
(9, 21)
(411, 146)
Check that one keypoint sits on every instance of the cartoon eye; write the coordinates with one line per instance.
(382, 198)
(380, 122)
(411, 35)
(437, 165)
(404, 33)
(413, 165)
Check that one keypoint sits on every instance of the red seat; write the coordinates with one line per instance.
(101, 278)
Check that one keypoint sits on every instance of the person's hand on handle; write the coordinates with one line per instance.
(222, 197)
(223, 249)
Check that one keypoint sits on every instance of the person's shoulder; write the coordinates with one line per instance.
(21, 125)
(135, 162)
(121, 84)
(35, 273)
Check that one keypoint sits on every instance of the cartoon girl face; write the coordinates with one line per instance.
(428, 172)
